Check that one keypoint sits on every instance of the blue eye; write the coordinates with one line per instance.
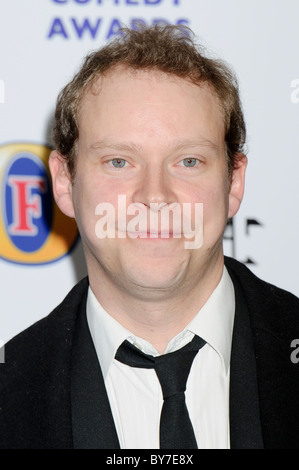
(118, 162)
(190, 162)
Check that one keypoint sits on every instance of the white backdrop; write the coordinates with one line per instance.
(42, 43)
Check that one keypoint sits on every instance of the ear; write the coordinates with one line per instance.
(62, 186)
(237, 185)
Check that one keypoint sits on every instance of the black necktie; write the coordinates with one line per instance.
(176, 431)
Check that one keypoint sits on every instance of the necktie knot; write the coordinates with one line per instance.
(172, 369)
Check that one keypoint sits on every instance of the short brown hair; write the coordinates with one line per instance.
(169, 49)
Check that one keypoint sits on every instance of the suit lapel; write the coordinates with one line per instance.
(93, 425)
(245, 424)
(92, 420)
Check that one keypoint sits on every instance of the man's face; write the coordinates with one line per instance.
(155, 139)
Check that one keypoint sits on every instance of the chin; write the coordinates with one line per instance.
(157, 279)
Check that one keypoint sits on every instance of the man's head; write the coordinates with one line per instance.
(169, 49)
(150, 119)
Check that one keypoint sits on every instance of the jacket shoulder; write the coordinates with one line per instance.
(274, 319)
(35, 378)
(262, 294)
(44, 333)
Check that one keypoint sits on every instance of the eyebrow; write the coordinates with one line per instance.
(102, 144)
(131, 146)
(196, 143)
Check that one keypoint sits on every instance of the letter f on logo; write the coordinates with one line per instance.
(26, 206)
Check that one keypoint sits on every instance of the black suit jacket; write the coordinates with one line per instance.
(52, 393)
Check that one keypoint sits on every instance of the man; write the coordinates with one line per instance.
(153, 123)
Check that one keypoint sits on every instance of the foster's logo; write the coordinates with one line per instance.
(32, 228)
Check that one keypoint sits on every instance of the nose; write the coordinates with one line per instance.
(154, 188)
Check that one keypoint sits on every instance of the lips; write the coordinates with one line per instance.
(153, 234)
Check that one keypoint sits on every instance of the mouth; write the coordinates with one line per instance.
(153, 235)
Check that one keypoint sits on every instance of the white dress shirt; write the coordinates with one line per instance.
(135, 394)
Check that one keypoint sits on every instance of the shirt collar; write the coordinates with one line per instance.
(106, 332)
(215, 320)
(213, 323)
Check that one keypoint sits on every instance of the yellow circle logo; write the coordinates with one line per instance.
(33, 230)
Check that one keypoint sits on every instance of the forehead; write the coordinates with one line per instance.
(125, 100)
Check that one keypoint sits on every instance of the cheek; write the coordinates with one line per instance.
(215, 207)
(92, 190)
(95, 198)
(213, 195)
(85, 198)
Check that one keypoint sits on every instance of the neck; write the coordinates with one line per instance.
(159, 320)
